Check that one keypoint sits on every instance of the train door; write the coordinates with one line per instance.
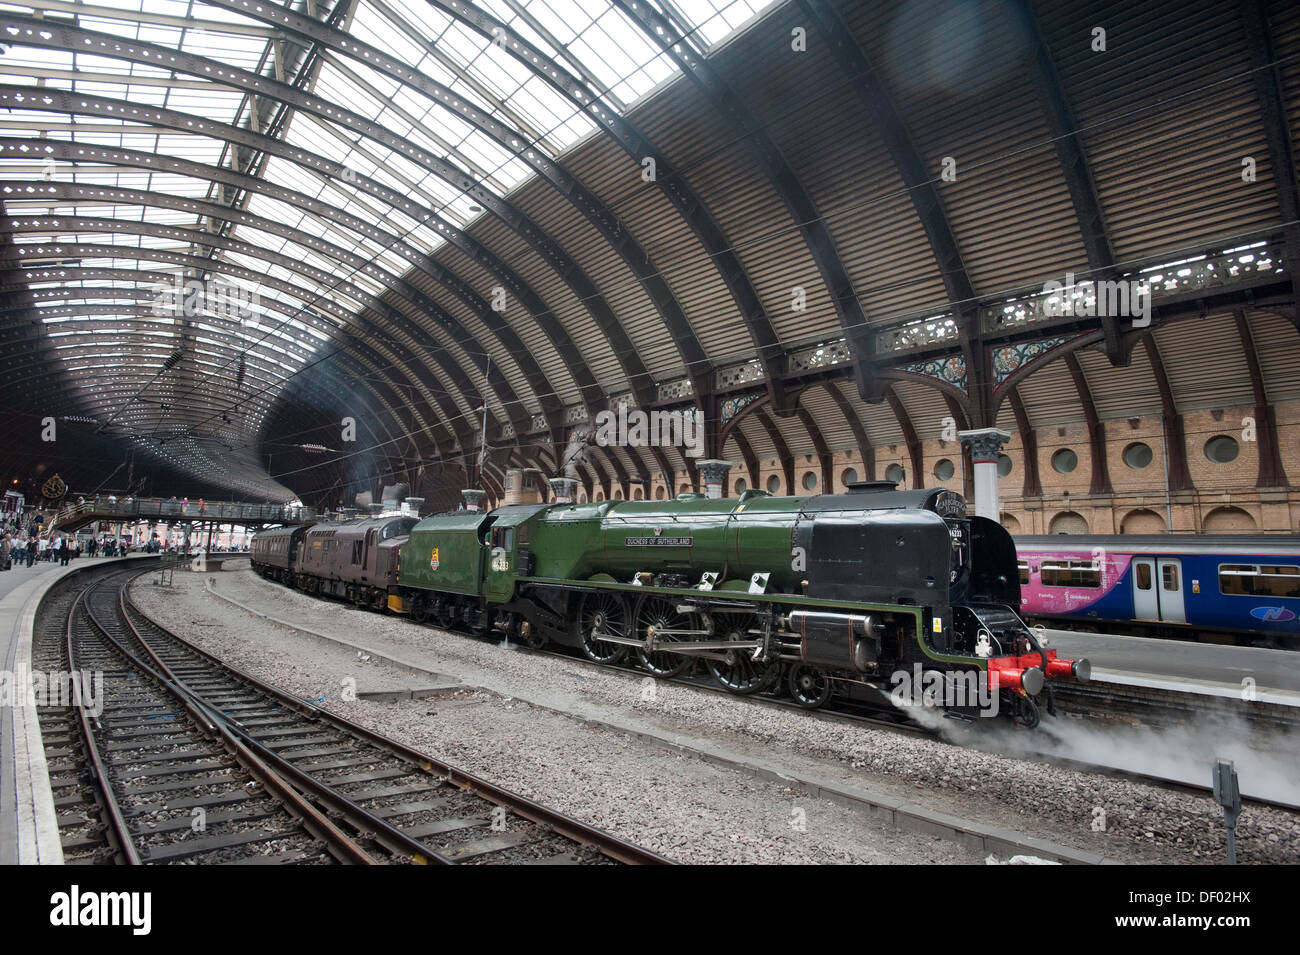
(1146, 598)
(1171, 589)
(368, 552)
(1158, 589)
(501, 579)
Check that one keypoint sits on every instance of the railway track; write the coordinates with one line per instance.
(1107, 702)
(270, 778)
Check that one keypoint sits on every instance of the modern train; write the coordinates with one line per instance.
(1222, 588)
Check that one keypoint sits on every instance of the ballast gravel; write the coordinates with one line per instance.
(519, 722)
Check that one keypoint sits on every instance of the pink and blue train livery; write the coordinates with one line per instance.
(1245, 587)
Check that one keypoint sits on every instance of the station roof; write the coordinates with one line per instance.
(311, 248)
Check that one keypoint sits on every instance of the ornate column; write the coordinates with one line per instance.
(411, 506)
(714, 474)
(984, 445)
(564, 488)
(473, 498)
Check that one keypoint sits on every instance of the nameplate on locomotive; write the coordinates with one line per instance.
(657, 541)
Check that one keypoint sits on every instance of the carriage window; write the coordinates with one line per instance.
(1169, 572)
(1071, 573)
(1144, 576)
(1267, 580)
(356, 552)
(1024, 571)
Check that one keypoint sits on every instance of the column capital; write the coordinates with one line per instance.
(563, 488)
(714, 473)
(473, 498)
(984, 443)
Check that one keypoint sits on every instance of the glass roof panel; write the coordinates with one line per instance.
(287, 325)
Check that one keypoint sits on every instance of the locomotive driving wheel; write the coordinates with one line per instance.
(603, 614)
(660, 616)
(740, 673)
(809, 686)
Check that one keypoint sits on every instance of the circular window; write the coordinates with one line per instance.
(1064, 461)
(774, 484)
(1137, 455)
(741, 486)
(1004, 465)
(809, 481)
(1221, 449)
(850, 476)
(944, 470)
(895, 473)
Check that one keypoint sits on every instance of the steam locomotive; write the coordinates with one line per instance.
(874, 590)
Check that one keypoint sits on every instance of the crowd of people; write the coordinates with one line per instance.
(27, 549)
(26, 538)
(24, 542)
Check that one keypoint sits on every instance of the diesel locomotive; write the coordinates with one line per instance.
(848, 593)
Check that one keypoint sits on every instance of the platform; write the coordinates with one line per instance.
(1186, 667)
(29, 832)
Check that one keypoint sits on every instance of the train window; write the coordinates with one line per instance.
(1144, 576)
(508, 539)
(1071, 573)
(356, 552)
(1169, 574)
(1268, 580)
(1024, 571)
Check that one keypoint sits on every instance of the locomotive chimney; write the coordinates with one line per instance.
(563, 488)
(473, 498)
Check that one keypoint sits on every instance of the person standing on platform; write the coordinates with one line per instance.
(65, 553)
(4, 552)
